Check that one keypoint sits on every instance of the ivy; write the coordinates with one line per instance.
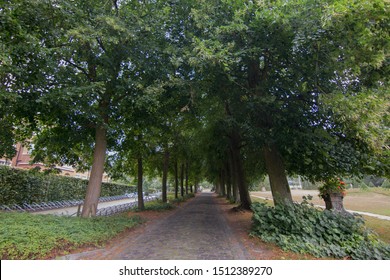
(303, 229)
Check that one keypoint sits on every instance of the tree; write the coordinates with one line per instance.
(287, 57)
(94, 60)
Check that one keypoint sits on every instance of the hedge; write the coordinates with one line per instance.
(23, 186)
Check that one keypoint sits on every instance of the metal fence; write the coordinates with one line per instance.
(112, 210)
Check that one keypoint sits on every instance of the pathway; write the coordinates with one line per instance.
(197, 231)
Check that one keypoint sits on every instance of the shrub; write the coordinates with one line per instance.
(303, 229)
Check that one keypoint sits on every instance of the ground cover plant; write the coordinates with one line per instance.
(28, 236)
(302, 228)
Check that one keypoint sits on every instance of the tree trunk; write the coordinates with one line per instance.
(165, 175)
(223, 187)
(176, 180)
(182, 180)
(281, 192)
(228, 182)
(141, 205)
(235, 194)
(186, 176)
(196, 187)
(95, 181)
(245, 200)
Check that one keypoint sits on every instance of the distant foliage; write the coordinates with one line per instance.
(303, 229)
(21, 186)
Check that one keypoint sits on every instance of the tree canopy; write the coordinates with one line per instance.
(232, 89)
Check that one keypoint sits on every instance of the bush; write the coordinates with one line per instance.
(21, 186)
(303, 229)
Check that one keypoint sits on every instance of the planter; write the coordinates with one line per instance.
(334, 201)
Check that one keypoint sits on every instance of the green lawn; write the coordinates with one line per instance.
(372, 200)
(27, 236)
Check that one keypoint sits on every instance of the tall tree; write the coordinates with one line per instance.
(287, 57)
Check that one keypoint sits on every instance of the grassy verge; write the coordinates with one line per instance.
(26, 236)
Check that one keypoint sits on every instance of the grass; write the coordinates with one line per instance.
(381, 227)
(27, 236)
(372, 200)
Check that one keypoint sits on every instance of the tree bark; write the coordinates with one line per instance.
(186, 176)
(245, 200)
(274, 164)
(95, 181)
(235, 193)
(176, 180)
(223, 187)
(182, 180)
(165, 175)
(228, 182)
(141, 205)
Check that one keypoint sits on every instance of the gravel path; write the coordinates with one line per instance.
(197, 231)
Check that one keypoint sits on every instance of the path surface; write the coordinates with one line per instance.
(197, 231)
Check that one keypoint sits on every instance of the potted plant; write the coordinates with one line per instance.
(333, 192)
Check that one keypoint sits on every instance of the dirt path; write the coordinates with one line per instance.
(199, 230)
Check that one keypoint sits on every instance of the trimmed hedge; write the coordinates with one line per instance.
(22, 186)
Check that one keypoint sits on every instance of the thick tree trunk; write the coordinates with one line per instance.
(281, 192)
(141, 205)
(95, 181)
(176, 180)
(245, 200)
(165, 175)
(235, 193)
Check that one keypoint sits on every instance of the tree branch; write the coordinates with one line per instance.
(78, 67)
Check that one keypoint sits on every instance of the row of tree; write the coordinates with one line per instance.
(226, 90)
